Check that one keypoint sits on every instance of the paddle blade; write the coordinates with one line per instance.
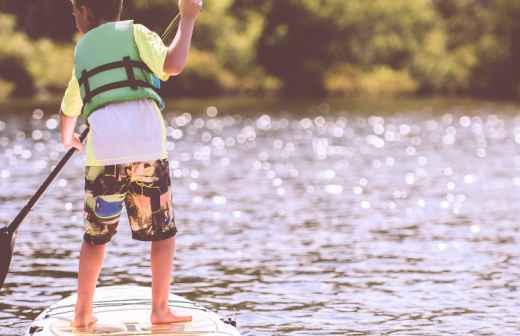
(6, 253)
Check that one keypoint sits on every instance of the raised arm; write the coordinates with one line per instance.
(179, 48)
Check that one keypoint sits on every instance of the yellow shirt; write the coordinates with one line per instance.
(152, 52)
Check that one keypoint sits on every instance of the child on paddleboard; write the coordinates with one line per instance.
(116, 65)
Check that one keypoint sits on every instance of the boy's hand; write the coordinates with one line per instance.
(190, 8)
(74, 143)
(68, 137)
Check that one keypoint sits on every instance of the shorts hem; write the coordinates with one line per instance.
(157, 237)
(96, 240)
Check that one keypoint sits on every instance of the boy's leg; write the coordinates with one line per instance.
(104, 196)
(150, 213)
(90, 261)
(163, 252)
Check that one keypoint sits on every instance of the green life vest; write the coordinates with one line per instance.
(109, 69)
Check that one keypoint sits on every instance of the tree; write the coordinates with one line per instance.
(301, 39)
(34, 17)
(498, 73)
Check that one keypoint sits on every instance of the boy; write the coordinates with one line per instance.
(126, 158)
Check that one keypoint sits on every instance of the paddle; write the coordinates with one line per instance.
(167, 35)
(8, 234)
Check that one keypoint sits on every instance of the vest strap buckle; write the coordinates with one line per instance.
(127, 64)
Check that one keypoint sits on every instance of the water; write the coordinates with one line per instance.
(317, 220)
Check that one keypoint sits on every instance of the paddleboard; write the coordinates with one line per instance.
(125, 310)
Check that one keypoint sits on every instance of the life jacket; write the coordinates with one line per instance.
(109, 69)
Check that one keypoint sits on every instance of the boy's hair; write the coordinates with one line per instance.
(103, 9)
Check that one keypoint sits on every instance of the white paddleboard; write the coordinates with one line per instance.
(125, 310)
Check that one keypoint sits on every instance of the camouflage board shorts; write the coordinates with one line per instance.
(145, 190)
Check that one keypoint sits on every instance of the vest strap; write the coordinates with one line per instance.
(86, 74)
(126, 63)
(116, 85)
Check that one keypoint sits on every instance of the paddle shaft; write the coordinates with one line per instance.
(27, 208)
(167, 34)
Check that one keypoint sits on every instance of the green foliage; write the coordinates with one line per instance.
(292, 30)
(300, 47)
(14, 52)
(385, 80)
(51, 72)
(6, 89)
(386, 32)
(42, 18)
(202, 76)
(438, 69)
(32, 66)
(205, 77)
(498, 52)
(346, 79)
(301, 40)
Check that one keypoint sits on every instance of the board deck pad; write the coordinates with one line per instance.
(125, 310)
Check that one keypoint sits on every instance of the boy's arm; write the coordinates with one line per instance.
(70, 110)
(68, 137)
(178, 50)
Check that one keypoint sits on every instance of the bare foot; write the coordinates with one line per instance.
(83, 321)
(161, 317)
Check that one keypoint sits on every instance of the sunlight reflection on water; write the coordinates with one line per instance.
(325, 223)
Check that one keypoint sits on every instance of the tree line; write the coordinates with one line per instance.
(293, 47)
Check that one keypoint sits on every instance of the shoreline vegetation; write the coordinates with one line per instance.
(254, 106)
(292, 48)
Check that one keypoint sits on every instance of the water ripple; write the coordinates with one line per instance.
(324, 223)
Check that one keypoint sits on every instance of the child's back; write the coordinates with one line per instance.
(116, 65)
(113, 87)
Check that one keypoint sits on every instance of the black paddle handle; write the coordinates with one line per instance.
(23, 213)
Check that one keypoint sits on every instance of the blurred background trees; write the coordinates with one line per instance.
(294, 47)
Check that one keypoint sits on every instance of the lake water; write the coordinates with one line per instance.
(318, 218)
